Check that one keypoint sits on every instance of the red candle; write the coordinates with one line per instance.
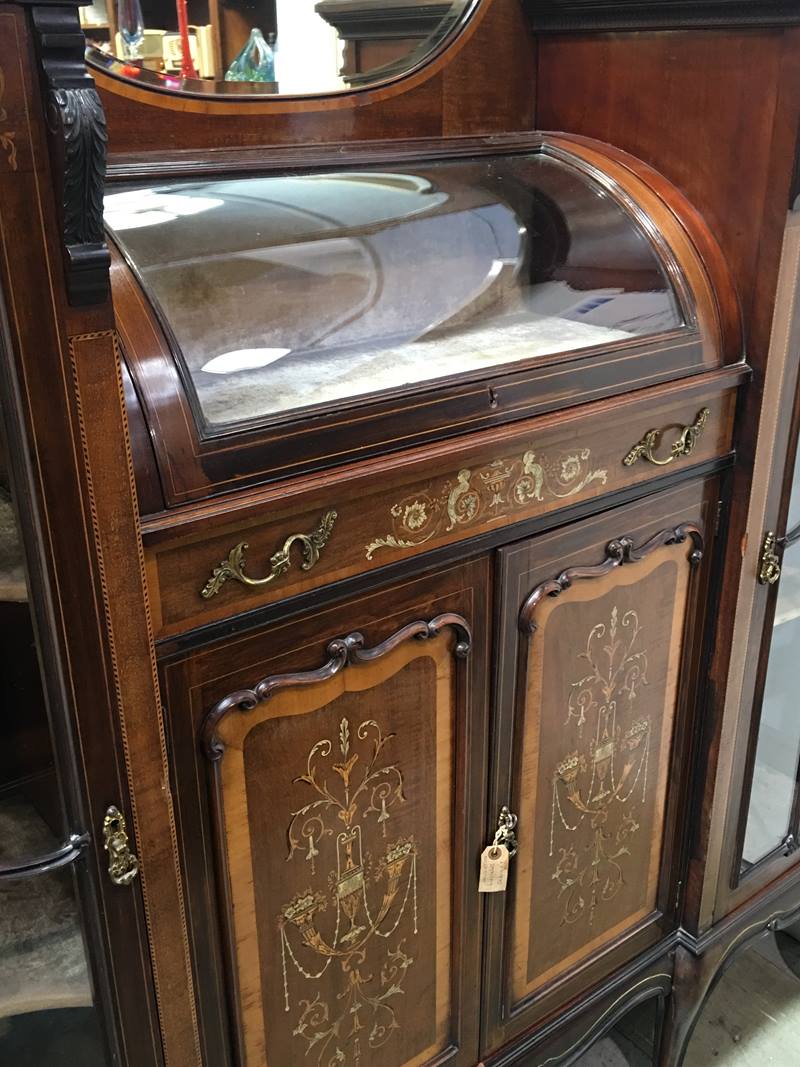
(187, 66)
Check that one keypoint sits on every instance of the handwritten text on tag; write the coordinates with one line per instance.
(494, 869)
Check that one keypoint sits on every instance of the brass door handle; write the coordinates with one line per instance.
(683, 445)
(280, 562)
(493, 877)
(123, 866)
(769, 564)
(504, 834)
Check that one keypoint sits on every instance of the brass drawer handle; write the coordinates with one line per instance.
(683, 446)
(123, 866)
(234, 565)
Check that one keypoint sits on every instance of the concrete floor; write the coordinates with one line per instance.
(751, 1019)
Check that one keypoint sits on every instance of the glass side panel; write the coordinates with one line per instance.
(778, 749)
(47, 1014)
(286, 293)
(793, 518)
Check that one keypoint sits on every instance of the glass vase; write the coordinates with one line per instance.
(130, 24)
(255, 62)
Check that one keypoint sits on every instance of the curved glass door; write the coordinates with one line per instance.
(295, 293)
(48, 1016)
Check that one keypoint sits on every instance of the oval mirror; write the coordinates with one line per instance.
(267, 47)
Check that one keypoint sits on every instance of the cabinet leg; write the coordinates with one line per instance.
(692, 979)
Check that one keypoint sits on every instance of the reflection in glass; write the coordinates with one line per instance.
(292, 292)
(319, 46)
(778, 750)
(255, 62)
(47, 1017)
(130, 27)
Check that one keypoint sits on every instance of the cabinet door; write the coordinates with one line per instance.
(599, 639)
(767, 837)
(753, 788)
(345, 759)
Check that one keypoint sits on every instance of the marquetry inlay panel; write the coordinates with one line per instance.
(498, 489)
(599, 713)
(336, 797)
(15, 128)
(8, 136)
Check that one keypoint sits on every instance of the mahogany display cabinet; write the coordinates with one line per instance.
(397, 582)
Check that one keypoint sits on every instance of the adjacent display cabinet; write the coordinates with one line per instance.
(396, 576)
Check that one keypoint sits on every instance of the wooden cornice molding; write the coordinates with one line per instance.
(561, 16)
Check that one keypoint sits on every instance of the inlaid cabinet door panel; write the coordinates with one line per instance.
(600, 637)
(344, 757)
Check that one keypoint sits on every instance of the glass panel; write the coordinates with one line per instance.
(752, 1015)
(47, 1017)
(266, 46)
(284, 293)
(793, 518)
(778, 750)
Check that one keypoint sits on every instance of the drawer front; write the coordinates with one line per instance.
(216, 562)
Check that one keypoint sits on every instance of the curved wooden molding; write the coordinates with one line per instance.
(342, 652)
(657, 985)
(700, 963)
(619, 552)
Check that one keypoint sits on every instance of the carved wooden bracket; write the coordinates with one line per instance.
(78, 151)
(342, 652)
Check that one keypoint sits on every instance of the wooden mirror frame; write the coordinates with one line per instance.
(417, 57)
(457, 90)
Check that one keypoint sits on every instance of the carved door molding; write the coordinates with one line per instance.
(342, 652)
(592, 683)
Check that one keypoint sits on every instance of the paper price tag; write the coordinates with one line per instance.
(494, 869)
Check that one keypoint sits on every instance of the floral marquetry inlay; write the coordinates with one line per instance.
(7, 136)
(351, 782)
(500, 488)
(600, 783)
